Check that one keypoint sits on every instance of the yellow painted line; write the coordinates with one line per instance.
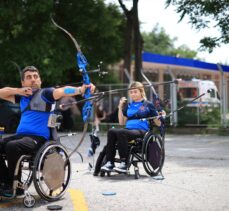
(78, 200)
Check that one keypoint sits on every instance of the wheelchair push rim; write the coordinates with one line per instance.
(52, 171)
(153, 154)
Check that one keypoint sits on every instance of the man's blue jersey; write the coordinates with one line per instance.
(135, 111)
(35, 122)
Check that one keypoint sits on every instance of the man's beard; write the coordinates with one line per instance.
(35, 86)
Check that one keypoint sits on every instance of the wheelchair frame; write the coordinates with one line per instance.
(140, 151)
(50, 182)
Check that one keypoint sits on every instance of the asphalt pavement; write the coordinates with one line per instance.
(196, 177)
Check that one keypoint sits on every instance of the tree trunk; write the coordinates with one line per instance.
(133, 40)
(137, 43)
(128, 45)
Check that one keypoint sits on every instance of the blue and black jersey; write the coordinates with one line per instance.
(135, 111)
(34, 122)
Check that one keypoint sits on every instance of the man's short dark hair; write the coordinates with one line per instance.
(28, 68)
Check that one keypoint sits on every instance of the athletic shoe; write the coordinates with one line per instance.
(108, 167)
(122, 168)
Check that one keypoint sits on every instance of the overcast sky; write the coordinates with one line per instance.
(152, 12)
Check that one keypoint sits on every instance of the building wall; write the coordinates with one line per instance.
(160, 73)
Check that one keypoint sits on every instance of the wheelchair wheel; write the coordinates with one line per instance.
(29, 201)
(153, 154)
(52, 171)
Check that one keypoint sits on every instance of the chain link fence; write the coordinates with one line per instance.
(201, 115)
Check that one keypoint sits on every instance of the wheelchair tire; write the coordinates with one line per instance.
(153, 154)
(50, 187)
(29, 201)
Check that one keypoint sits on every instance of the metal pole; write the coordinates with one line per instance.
(198, 115)
(148, 81)
(173, 100)
(127, 75)
(223, 93)
(110, 100)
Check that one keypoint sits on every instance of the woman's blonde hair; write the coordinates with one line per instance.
(140, 87)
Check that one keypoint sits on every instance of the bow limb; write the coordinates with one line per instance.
(156, 98)
(81, 140)
(82, 63)
(68, 33)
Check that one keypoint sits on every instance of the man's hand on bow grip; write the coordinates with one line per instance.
(84, 87)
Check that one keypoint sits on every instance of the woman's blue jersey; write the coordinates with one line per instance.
(135, 111)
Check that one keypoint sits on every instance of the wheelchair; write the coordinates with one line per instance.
(49, 169)
(149, 150)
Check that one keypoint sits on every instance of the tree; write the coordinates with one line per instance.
(133, 39)
(204, 13)
(28, 37)
(159, 42)
(184, 51)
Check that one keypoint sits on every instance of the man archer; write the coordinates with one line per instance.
(33, 131)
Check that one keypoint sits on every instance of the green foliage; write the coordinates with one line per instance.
(184, 51)
(158, 41)
(205, 14)
(211, 117)
(208, 116)
(28, 37)
(187, 116)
